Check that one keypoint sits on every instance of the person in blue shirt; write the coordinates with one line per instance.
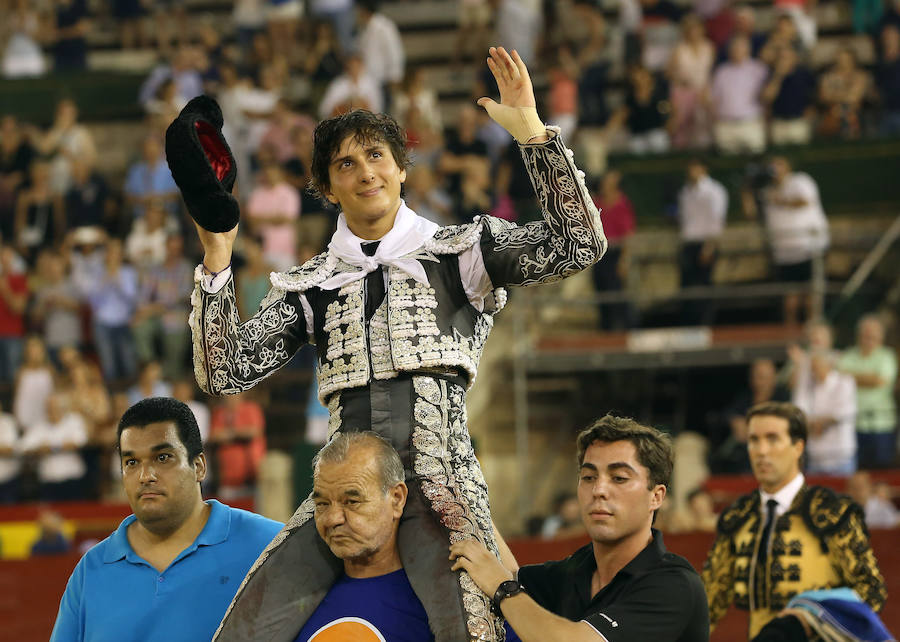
(150, 180)
(171, 569)
(359, 495)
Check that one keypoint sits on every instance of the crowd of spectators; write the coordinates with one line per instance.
(57, 440)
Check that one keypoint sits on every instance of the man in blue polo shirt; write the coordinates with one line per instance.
(171, 569)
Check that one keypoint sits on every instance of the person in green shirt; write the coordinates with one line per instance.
(874, 367)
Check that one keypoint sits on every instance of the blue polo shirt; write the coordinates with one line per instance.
(114, 595)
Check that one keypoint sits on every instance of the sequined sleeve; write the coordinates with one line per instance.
(568, 240)
(851, 553)
(718, 578)
(231, 356)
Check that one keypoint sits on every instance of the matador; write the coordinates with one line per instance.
(398, 309)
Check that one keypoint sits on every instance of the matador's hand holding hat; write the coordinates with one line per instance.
(202, 164)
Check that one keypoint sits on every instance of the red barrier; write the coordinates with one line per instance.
(735, 485)
(29, 595)
(30, 589)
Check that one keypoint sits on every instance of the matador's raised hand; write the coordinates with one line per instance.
(516, 112)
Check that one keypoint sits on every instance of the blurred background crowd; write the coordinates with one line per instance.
(97, 254)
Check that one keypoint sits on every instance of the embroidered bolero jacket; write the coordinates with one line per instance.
(417, 328)
(820, 542)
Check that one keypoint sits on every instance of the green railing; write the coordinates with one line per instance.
(100, 96)
(859, 176)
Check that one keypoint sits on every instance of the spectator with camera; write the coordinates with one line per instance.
(796, 226)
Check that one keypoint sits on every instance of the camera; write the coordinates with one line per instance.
(758, 176)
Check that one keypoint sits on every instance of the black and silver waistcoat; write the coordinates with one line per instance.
(417, 328)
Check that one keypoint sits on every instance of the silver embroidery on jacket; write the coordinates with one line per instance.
(453, 484)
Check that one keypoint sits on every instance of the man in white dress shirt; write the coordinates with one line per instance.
(702, 207)
(56, 443)
(380, 45)
(828, 397)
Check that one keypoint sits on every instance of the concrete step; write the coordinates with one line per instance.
(416, 15)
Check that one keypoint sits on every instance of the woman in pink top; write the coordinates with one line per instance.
(618, 225)
(689, 73)
(272, 212)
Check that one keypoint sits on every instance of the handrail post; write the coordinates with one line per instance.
(520, 396)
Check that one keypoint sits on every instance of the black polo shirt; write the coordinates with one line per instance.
(657, 596)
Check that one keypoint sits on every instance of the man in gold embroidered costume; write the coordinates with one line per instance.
(786, 537)
(399, 310)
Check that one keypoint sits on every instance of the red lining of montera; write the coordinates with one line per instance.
(214, 148)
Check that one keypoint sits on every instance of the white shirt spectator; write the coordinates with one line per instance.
(363, 92)
(702, 207)
(58, 465)
(22, 56)
(382, 50)
(144, 248)
(835, 448)
(797, 234)
(881, 513)
(201, 414)
(249, 14)
(33, 388)
(10, 464)
(518, 24)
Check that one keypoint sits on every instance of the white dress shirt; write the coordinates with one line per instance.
(702, 207)
(58, 465)
(9, 438)
(382, 49)
(835, 397)
(784, 497)
(364, 91)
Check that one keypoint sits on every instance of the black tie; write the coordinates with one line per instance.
(771, 505)
(760, 575)
(374, 282)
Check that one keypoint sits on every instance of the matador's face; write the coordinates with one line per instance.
(775, 459)
(365, 180)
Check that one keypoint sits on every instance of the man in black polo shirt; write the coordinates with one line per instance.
(623, 586)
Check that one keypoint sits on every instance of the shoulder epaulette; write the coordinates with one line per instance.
(733, 517)
(826, 512)
(453, 239)
(306, 276)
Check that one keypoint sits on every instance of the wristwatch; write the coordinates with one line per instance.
(505, 590)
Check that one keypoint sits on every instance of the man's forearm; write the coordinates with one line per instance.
(868, 380)
(533, 623)
(506, 555)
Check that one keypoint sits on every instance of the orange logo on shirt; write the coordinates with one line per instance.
(348, 629)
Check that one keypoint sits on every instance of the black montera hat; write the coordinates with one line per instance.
(202, 164)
